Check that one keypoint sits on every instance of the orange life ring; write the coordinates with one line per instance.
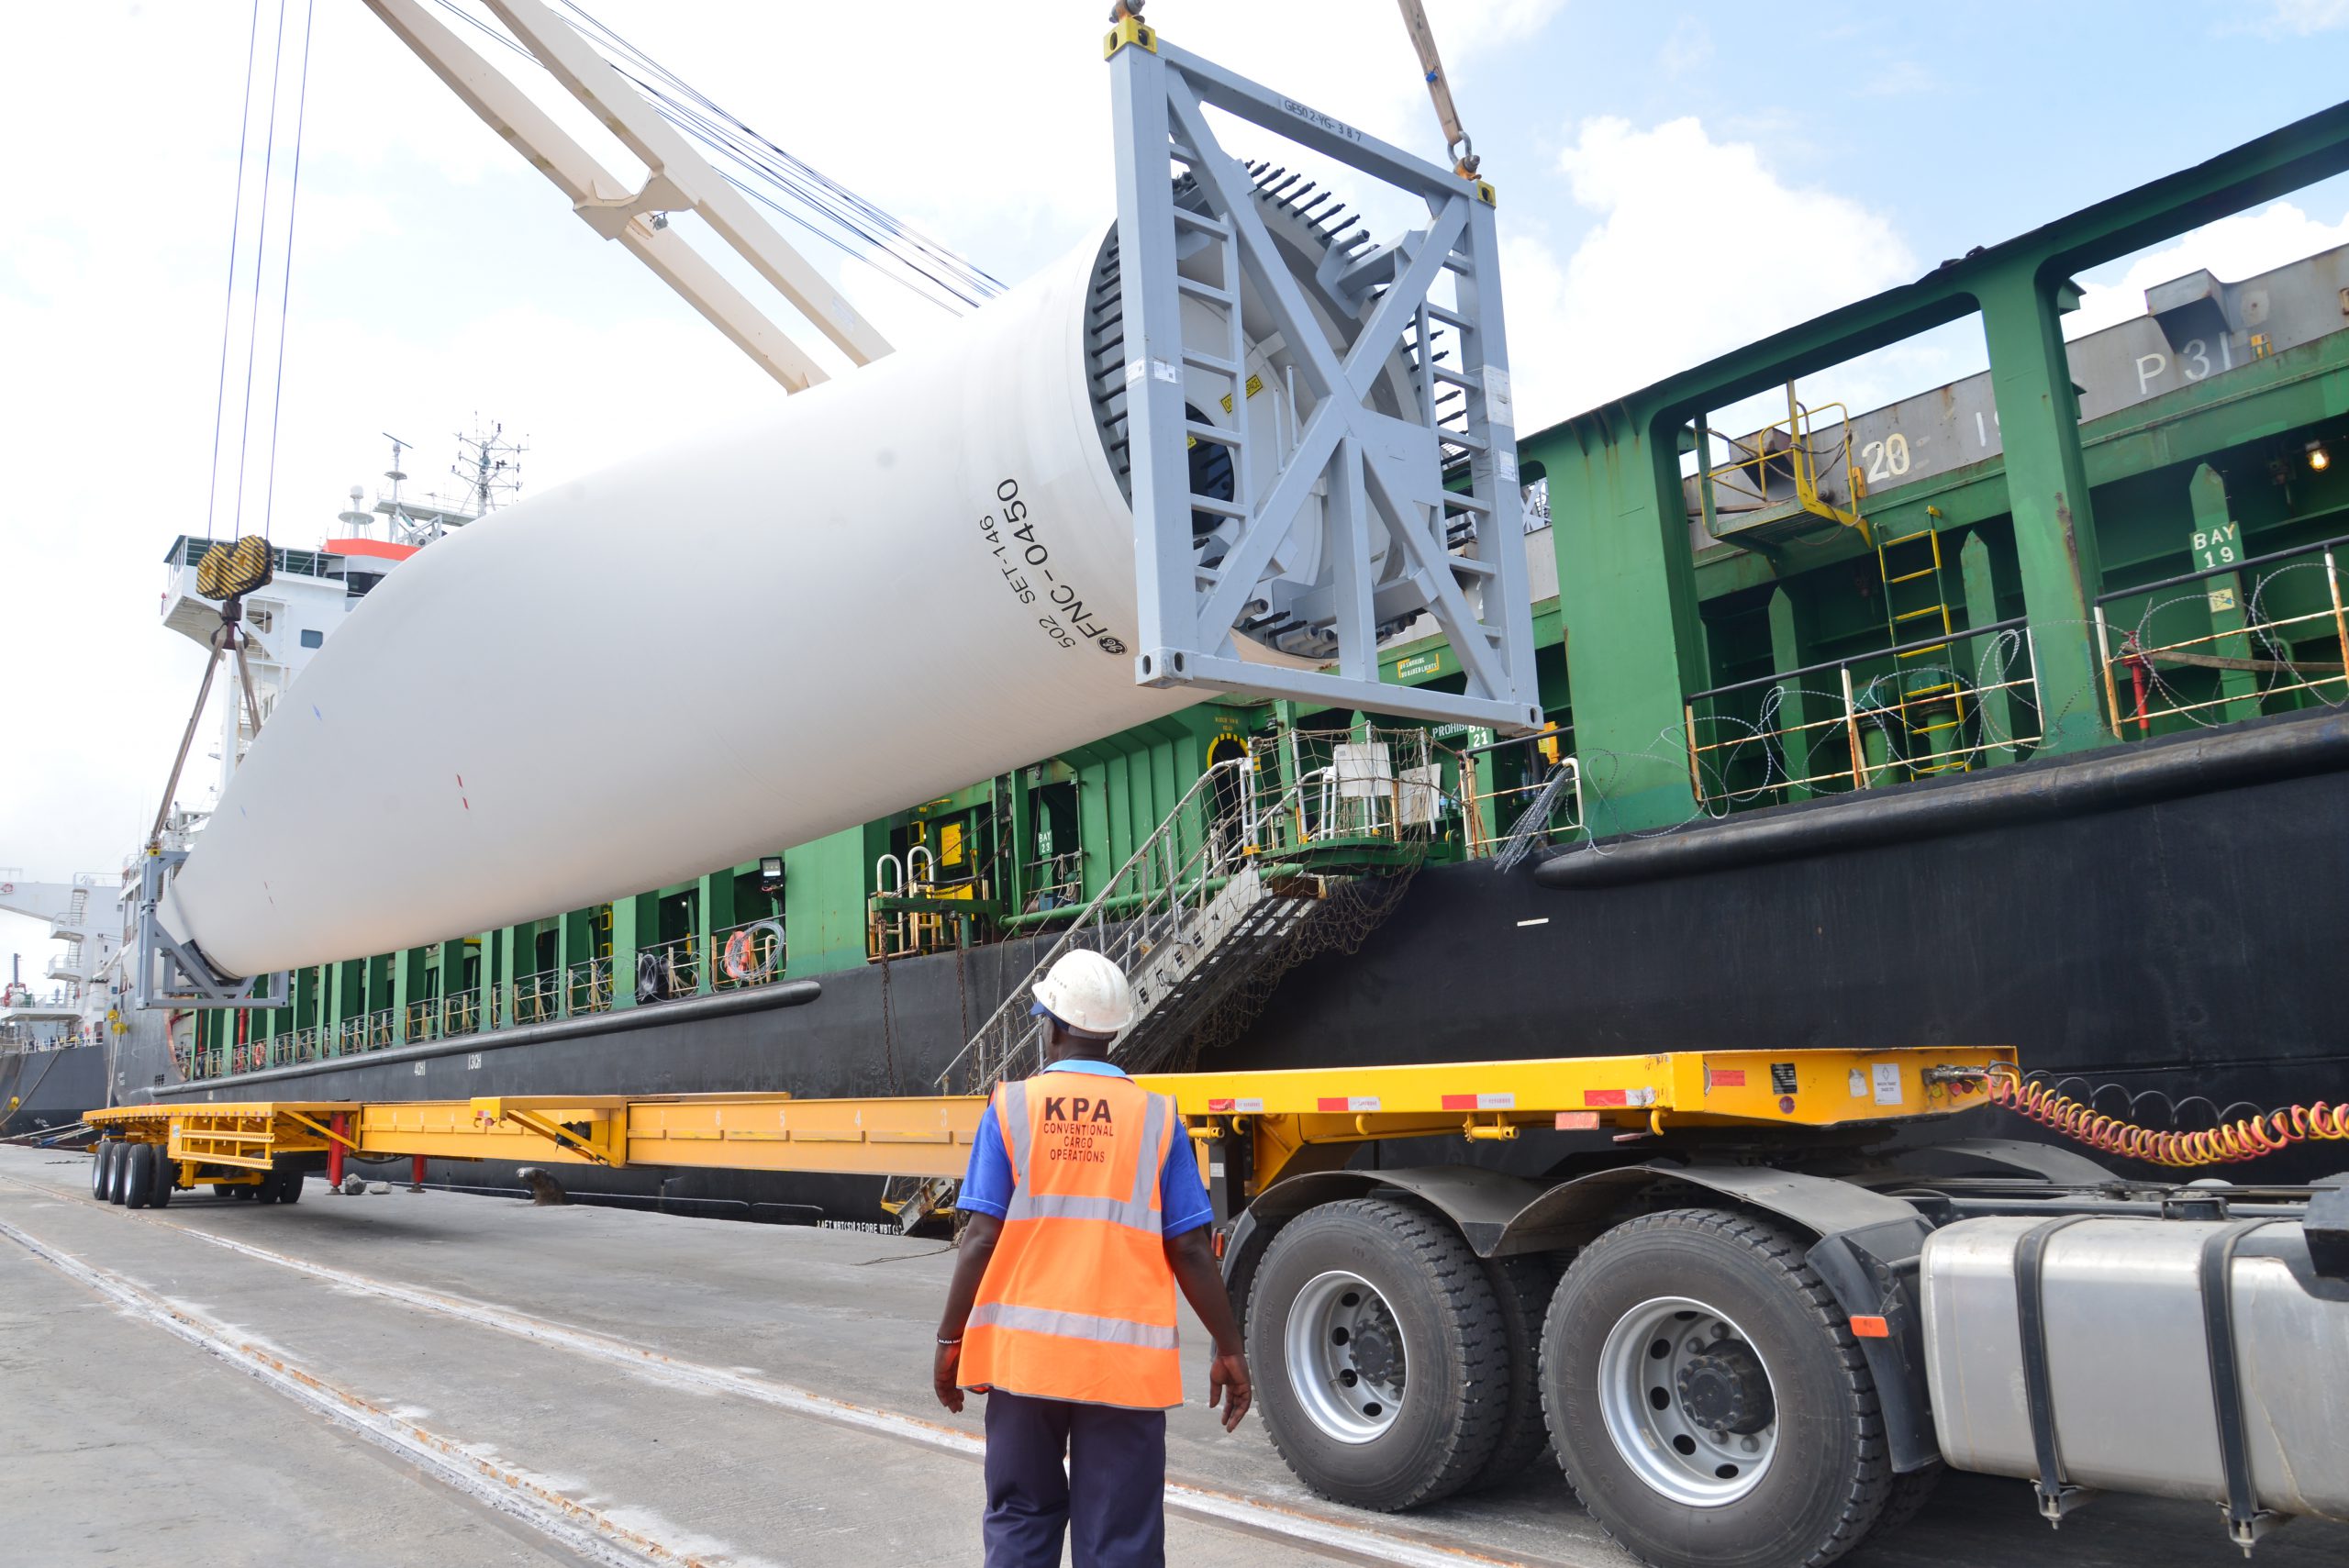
(741, 958)
(738, 954)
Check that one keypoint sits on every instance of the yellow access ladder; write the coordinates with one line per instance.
(1930, 698)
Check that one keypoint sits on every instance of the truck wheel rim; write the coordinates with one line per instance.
(1345, 1357)
(1688, 1402)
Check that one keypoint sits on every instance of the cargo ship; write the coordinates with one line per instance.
(55, 1043)
(2005, 712)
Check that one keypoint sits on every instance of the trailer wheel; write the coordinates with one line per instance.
(101, 1167)
(289, 1182)
(264, 1190)
(1382, 1361)
(117, 1170)
(167, 1176)
(1706, 1398)
(138, 1178)
(1522, 1286)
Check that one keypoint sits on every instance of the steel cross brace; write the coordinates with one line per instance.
(1378, 478)
(610, 1150)
(187, 978)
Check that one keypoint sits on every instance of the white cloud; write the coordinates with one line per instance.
(1690, 47)
(2234, 248)
(2304, 18)
(1699, 248)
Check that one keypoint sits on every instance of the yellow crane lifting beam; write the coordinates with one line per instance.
(1305, 1118)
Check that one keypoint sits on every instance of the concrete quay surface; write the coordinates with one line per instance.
(447, 1381)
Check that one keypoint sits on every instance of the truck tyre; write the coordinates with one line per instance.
(117, 1171)
(289, 1182)
(1522, 1286)
(1381, 1360)
(138, 1179)
(167, 1176)
(101, 1167)
(1707, 1400)
(265, 1190)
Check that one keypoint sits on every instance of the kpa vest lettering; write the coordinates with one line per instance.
(1078, 1301)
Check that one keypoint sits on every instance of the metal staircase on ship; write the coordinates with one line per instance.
(1235, 888)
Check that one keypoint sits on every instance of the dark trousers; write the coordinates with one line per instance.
(1110, 1497)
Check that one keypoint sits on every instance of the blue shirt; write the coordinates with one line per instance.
(1182, 1196)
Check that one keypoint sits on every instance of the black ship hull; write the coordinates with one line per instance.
(43, 1089)
(2182, 946)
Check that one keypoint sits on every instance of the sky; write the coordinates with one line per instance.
(1674, 179)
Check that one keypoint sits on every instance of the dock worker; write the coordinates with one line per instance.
(1085, 1213)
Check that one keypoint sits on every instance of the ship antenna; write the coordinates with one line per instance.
(490, 465)
(393, 473)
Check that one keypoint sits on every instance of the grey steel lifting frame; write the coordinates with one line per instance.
(1379, 477)
(172, 974)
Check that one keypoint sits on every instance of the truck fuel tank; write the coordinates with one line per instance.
(2128, 1363)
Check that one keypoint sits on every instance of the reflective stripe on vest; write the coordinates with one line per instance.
(1072, 1324)
(1078, 1300)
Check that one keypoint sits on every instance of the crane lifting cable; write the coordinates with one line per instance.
(1456, 145)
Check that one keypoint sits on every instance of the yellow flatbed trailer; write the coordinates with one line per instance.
(1295, 1121)
(1750, 1302)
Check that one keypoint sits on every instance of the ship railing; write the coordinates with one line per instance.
(587, 987)
(1354, 783)
(1054, 881)
(2236, 639)
(903, 932)
(284, 1049)
(750, 952)
(535, 998)
(378, 1031)
(1955, 702)
(439, 1017)
(1787, 448)
(1526, 790)
(667, 969)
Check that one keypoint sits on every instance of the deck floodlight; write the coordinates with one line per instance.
(2319, 459)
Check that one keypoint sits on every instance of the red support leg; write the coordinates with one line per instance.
(416, 1174)
(342, 1124)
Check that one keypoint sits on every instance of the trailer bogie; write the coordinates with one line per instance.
(1726, 1386)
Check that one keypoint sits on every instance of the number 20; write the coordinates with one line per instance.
(1886, 459)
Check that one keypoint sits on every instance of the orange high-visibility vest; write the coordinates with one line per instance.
(1078, 1301)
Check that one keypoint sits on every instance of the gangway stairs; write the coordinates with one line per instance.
(1215, 902)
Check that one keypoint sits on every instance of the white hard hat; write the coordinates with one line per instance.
(1088, 992)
